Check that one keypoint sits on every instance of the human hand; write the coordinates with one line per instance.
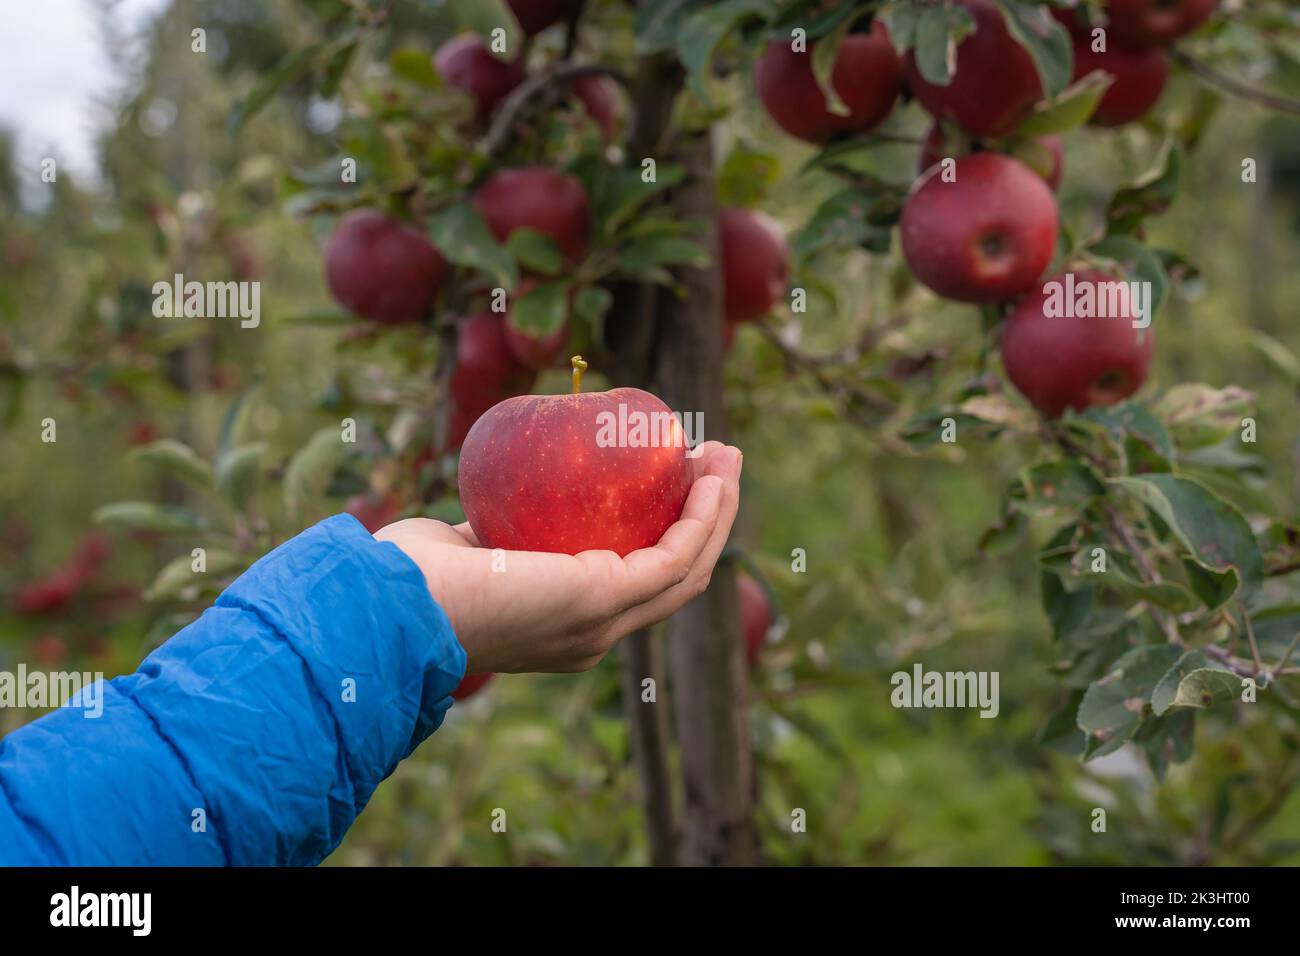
(558, 612)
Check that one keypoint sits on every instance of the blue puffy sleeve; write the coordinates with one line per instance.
(256, 735)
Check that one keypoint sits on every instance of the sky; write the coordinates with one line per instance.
(53, 68)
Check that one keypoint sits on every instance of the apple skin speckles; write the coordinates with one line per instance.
(535, 475)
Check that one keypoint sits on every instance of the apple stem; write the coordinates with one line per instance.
(579, 366)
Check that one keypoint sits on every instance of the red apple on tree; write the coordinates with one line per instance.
(573, 473)
(536, 15)
(867, 77)
(381, 268)
(1075, 360)
(466, 64)
(486, 371)
(1138, 80)
(1141, 25)
(995, 85)
(373, 509)
(755, 263)
(470, 685)
(755, 615)
(535, 197)
(985, 237)
(599, 97)
(935, 148)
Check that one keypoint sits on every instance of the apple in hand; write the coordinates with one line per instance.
(1141, 25)
(755, 615)
(755, 263)
(534, 197)
(867, 77)
(935, 148)
(1138, 80)
(381, 268)
(986, 236)
(995, 84)
(466, 64)
(560, 473)
(1064, 361)
(470, 685)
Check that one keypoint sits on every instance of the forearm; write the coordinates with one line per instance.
(255, 735)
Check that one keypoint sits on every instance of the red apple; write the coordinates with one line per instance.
(867, 77)
(381, 268)
(142, 431)
(558, 472)
(755, 263)
(755, 615)
(1139, 79)
(1073, 361)
(995, 85)
(466, 64)
(935, 149)
(535, 197)
(536, 15)
(985, 237)
(486, 370)
(373, 510)
(470, 685)
(49, 594)
(49, 650)
(599, 97)
(1141, 25)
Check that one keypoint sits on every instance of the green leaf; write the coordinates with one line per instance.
(700, 34)
(1114, 706)
(238, 471)
(147, 516)
(310, 470)
(463, 237)
(1061, 732)
(900, 20)
(1217, 537)
(1167, 740)
(646, 258)
(178, 579)
(1067, 611)
(1047, 41)
(1140, 264)
(617, 193)
(656, 24)
(845, 220)
(290, 69)
(1200, 688)
(1063, 483)
(938, 32)
(484, 16)
(590, 305)
(543, 310)
(1071, 109)
(535, 251)
(745, 176)
(824, 53)
(175, 458)
(1199, 415)
(415, 66)
(1150, 195)
(1134, 425)
(1279, 356)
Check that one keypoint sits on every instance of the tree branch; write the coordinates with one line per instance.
(1234, 86)
(550, 81)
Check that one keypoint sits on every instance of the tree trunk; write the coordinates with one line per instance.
(709, 682)
(641, 657)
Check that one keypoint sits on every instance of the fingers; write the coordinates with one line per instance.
(651, 571)
(726, 467)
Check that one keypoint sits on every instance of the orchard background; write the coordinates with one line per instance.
(902, 502)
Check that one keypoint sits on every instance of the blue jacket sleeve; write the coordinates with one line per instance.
(254, 736)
